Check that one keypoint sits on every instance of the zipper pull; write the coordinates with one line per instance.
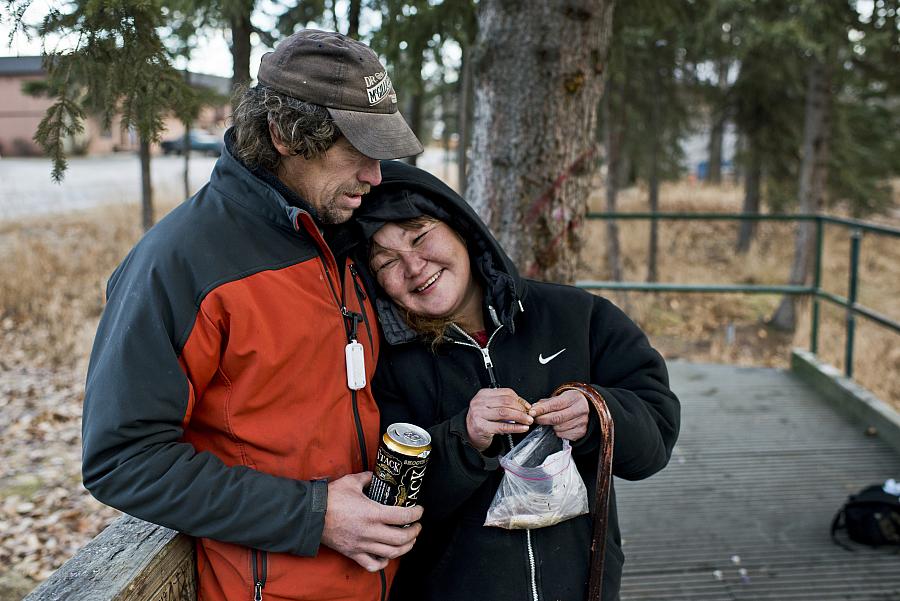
(487, 358)
(489, 365)
(354, 318)
(359, 289)
(257, 591)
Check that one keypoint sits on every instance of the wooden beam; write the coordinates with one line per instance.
(131, 560)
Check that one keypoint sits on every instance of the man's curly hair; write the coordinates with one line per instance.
(306, 128)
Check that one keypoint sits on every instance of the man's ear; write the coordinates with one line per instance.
(282, 149)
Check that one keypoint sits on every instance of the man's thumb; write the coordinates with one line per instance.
(362, 479)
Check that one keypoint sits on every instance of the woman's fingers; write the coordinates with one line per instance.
(496, 411)
(567, 413)
(573, 433)
(500, 404)
(506, 413)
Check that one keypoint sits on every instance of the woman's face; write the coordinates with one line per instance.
(425, 270)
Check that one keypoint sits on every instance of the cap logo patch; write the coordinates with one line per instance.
(377, 87)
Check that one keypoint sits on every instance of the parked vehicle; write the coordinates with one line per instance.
(200, 140)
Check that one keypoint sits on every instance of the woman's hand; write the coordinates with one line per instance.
(496, 411)
(567, 412)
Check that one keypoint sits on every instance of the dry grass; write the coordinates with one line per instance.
(53, 278)
(733, 328)
(52, 282)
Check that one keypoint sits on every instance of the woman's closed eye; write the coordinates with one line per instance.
(421, 236)
(386, 263)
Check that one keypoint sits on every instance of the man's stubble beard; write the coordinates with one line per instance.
(331, 214)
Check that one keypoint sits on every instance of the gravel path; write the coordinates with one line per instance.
(27, 190)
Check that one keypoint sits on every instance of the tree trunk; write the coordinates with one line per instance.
(446, 117)
(241, 28)
(615, 122)
(717, 132)
(187, 159)
(334, 15)
(146, 185)
(187, 146)
(753, 181)
(353, 16)
(538, 74)
(652, 268)
(463, 117)
(416, 102)
(811, 189)
(737, 173)
(653, 176)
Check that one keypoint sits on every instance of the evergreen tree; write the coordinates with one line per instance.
(119, 65)
(848, 91)
(409, 37)
(645, 109)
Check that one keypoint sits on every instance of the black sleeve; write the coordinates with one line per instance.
(136, 402)
(631, 377)
(455, 468)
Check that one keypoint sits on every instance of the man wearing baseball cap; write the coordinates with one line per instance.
(228, 391)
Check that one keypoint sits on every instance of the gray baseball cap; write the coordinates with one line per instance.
(346, 77)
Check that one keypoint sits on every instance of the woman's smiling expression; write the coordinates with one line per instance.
(424, 267)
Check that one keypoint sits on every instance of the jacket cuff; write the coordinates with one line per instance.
(471, 457)
(315, 518)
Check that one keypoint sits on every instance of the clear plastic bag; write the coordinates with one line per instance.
(541, 485)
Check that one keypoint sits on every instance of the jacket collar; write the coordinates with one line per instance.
(261, 192)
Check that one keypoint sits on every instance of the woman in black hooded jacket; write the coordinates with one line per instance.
(481, 339)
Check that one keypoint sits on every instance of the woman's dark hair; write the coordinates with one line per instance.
(307, 129)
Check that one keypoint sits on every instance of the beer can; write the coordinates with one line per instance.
(400, 465)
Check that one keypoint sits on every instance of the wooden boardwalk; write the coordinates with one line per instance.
(743, 510)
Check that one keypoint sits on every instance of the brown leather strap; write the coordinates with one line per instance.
(604, 478)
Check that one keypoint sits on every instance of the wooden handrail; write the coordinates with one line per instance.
(132, 560)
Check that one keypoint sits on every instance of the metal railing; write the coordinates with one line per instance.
(853, 308)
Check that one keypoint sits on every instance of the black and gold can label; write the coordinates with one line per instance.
(400, 465)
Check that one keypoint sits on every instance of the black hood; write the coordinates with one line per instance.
(405, 192)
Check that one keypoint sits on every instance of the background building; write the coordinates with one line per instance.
(20, 114)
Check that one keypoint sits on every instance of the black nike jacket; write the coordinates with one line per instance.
(541, 335)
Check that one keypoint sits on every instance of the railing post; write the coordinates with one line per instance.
(855, 239)
(817, 284)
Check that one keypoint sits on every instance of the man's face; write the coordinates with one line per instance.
(332, 183)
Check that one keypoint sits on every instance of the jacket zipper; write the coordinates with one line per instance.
(489, 366)
(259, 569)
(485, 353)
(346, 314)
(361, 297)
(351, 335)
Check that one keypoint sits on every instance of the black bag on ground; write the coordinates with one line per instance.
(870, 517)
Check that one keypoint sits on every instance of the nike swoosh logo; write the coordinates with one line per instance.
(543, 361)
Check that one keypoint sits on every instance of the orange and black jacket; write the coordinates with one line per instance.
(217, 401)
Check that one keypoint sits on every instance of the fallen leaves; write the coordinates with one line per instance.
(46, 515)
